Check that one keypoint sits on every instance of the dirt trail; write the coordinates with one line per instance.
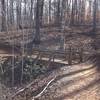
(78, 82)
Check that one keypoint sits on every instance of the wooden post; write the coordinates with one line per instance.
(40, 58)
(81, 55)
(53, 58)
(50, 59)
(70, 56)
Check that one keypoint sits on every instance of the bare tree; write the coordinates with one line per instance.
(58, 13)
(49, 11)
(94, 15)
(41, 11)
(3, 10)
(36, 39)
(18, 10)
(11, 12)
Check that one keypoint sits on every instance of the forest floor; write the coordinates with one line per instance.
(75, 82)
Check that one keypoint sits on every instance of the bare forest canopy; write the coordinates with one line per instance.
(19, 14)
(37, 15)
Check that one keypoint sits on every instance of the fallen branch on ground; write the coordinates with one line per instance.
(40, 94)
(21, 91)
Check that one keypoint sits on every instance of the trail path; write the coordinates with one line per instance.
(78, 82)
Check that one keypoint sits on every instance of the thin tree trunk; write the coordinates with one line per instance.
(36, 40)
(94, 16)
(3, 10)
(41, 11)
(49, 11)
(11, 12)
(18, 10)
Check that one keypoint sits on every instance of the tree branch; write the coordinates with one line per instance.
(40, 94)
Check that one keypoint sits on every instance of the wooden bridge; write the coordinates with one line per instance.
(65, 57)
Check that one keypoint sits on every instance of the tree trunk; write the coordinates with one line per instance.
(72, 13)
(11, 12)
(36, 40)
(62, 41)
(3, 10)
(49, 11)
(41, 10)
(18, 10)
(94, 16)
(58, 13)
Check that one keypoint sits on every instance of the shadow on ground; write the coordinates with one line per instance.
(73, 93)
(95, 60)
